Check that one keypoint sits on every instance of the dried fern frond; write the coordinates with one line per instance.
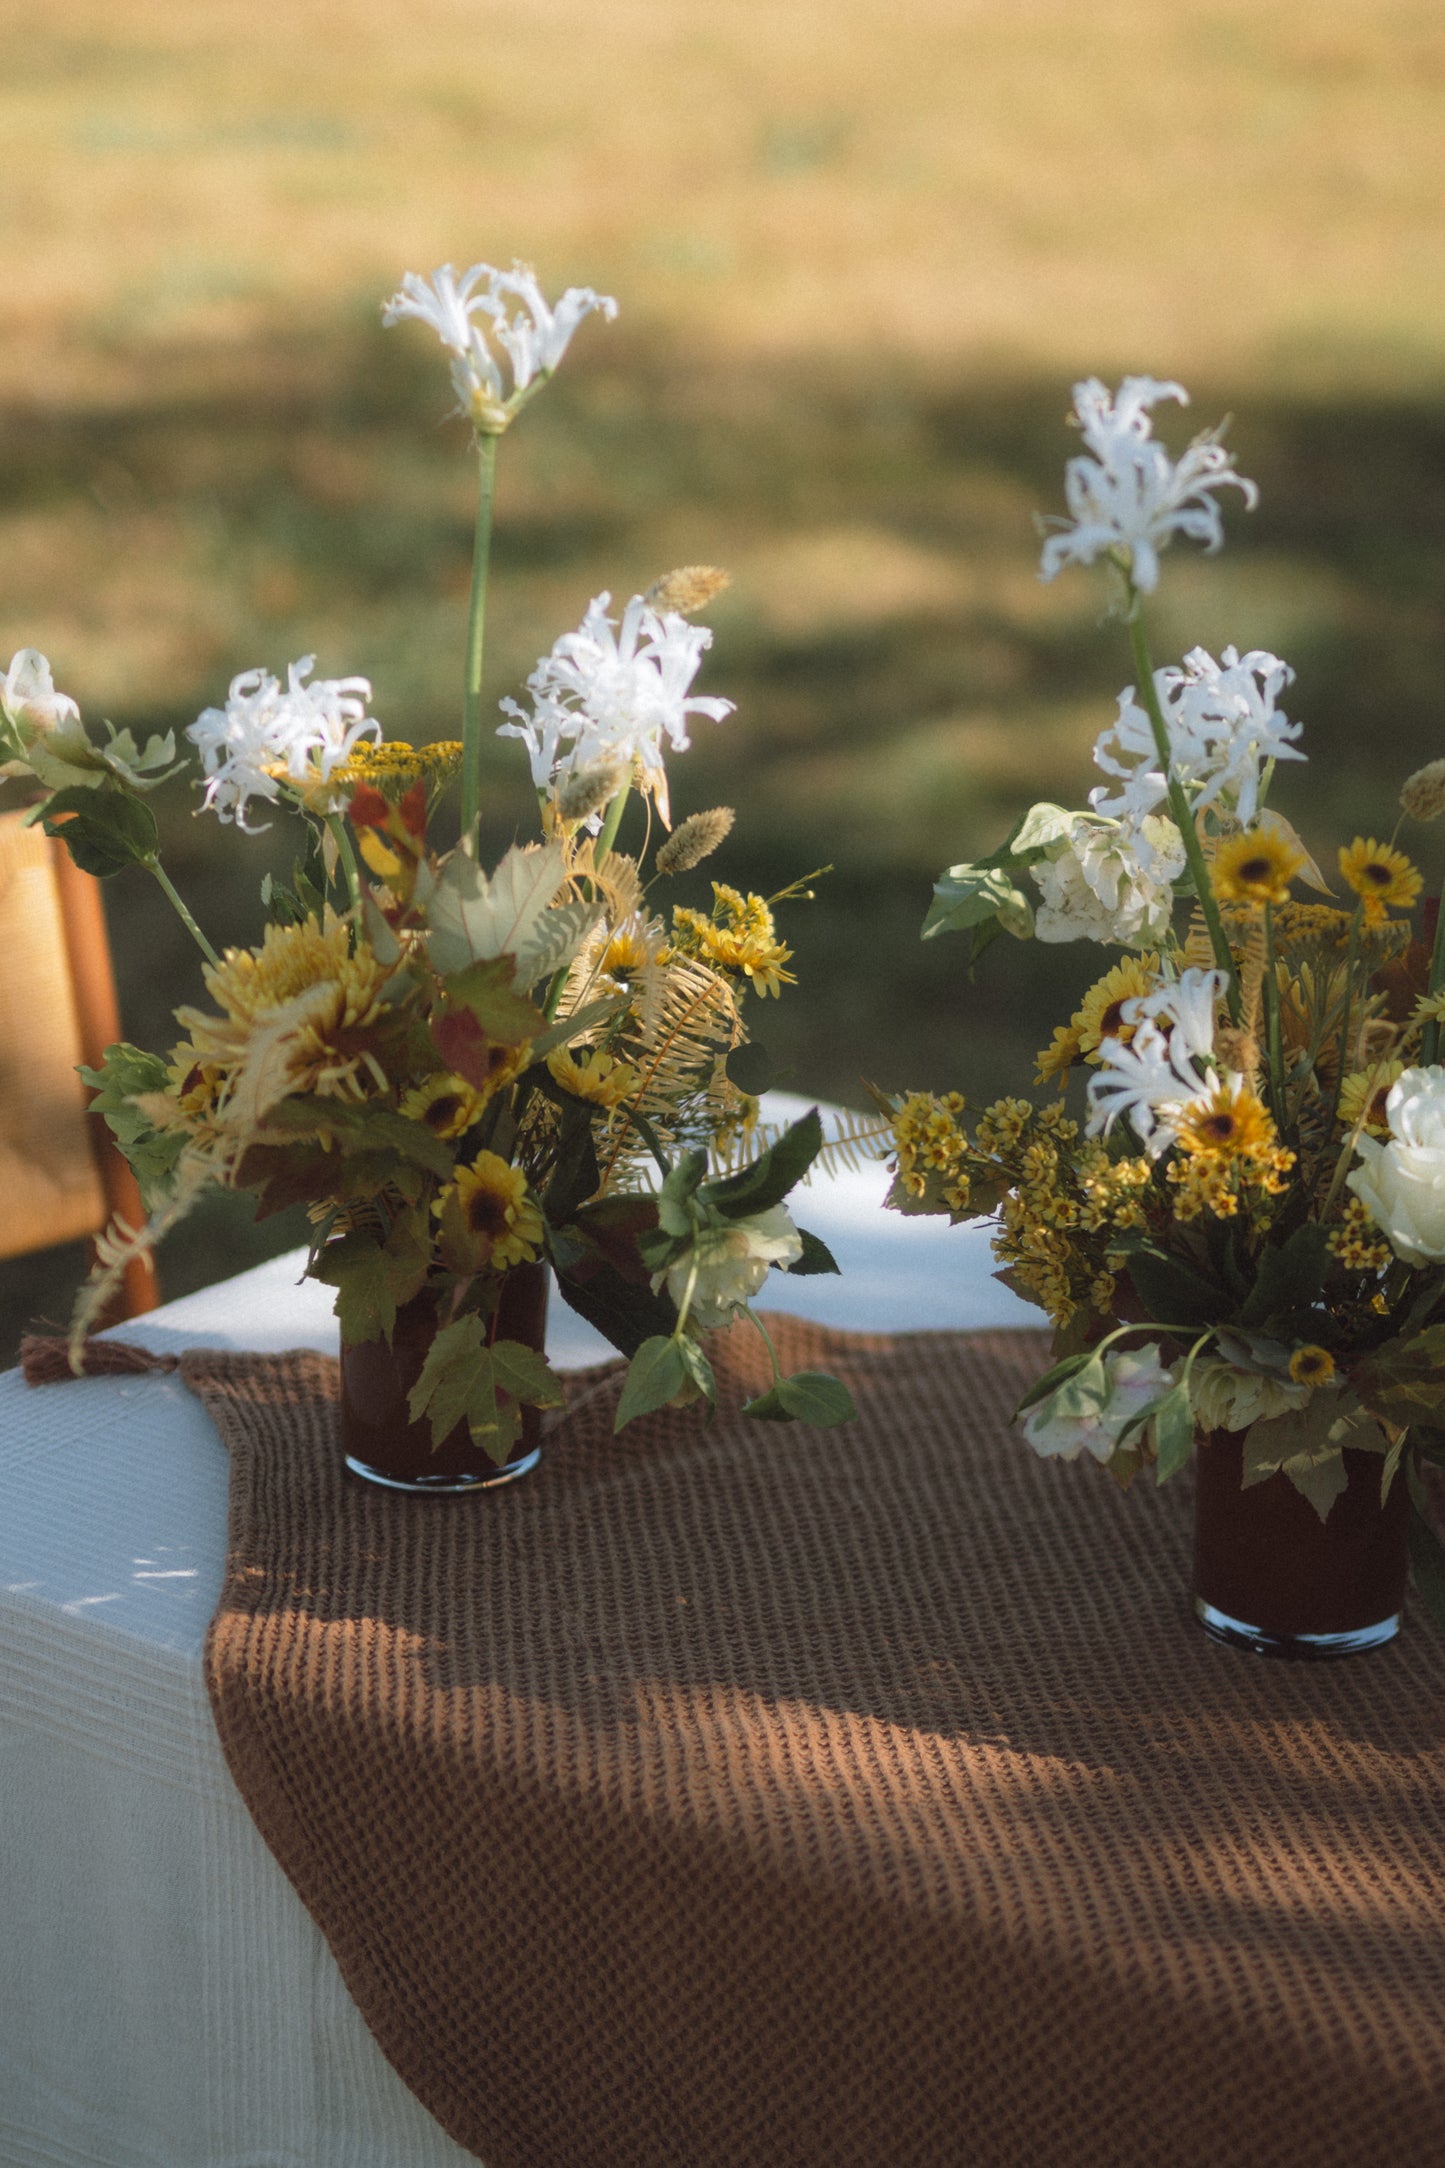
(678, 1045)
(851, 1142)
(120, 1243)
(1198, 952)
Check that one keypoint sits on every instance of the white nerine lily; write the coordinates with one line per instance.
(1223, 725)
(464, 312)
(1155, 1078)
(268, 735)
(610, 692)
(1130, 495)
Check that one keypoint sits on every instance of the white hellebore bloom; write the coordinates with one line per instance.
(269, 735)
(610, 692)
(470, 316)
(1402, 1181)
(28, 695)
(1222, 724)
(1109, 881)
(1134, 1381)
(1154, 1079)
(1127, 493)
(732, 1263)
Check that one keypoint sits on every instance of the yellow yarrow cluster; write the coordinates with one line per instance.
(739, 937)
(392, 768)
(933, 1148)
(1228, 1148)
(1357, 1242)
(1066, 1197)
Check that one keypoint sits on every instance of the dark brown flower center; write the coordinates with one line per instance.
(1256, 869)
(443, 1110)
(487, 1214)
(1378, 874)
(1112, 1017)
(1219, 1127)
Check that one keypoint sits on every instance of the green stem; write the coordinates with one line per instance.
(476, 641)
(753, 1319)
(1430, 1036)
(153, 865)
(347, 857)
(1269, 987)
(610, 824)
(1179, 808)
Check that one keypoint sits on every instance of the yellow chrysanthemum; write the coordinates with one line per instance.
(1101, 1012)
(1380, 875)
(1255, 867)
(1232, 1123)
(626, 954)
(1059, 1056)
(292, 1012)
(447, 1105)
(496, 1208)
(1365, 1092)
(593, 1075)
(1311, 1365)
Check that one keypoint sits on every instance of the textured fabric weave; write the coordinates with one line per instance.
(756, 1796)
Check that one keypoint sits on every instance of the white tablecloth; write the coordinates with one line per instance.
(165, 2000)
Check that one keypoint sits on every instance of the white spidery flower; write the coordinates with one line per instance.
(469, 314)
(1155, 1078)
(1108, 880)
(610, 692)
(269, 735)
(1223, 724)
(1126, 493)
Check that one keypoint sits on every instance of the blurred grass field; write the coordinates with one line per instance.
(862, 253)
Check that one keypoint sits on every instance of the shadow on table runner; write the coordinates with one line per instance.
(756, 1795)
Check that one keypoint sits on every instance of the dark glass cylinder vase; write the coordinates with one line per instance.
(378, 1438)
(1271, 1576)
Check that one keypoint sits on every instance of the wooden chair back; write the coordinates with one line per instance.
(61, 1176)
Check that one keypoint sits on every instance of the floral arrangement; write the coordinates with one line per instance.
(462, 1072)
(1239, 1223)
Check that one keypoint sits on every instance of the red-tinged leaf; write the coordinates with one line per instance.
(368, 809)
(463, 1046)
(413, 810)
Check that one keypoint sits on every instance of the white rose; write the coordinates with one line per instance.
(1402, 1183)
(1134, 1380)
(28, 693)
(732, 1263)
(1109, 883)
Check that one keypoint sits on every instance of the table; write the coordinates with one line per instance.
(165, 2000)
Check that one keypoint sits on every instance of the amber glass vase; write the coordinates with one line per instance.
(381, 1442)
(1271, 1576)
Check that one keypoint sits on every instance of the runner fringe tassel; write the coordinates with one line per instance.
(45, 1360)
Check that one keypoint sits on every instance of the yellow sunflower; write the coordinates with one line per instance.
(1101, 1012)
(1380, 876)
(590, 1074)
(1255, 867)
(497, 1210)
(446, 1104)
(1232, 1123)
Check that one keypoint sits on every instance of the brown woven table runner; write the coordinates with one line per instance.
(752, 1796)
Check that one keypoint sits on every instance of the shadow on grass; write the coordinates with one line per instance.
(904, 684)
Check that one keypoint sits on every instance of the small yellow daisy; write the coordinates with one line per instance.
(589, 1074)
(1255, 867)
(1101, 1012)
(1232, 1123)
(1311, 1365)
(1059, 1056)
(1365, 1092)
(1380, 876)
(446, 1104)
(496, 1208)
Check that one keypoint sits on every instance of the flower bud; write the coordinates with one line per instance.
(696, 839)
(1423, 793)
